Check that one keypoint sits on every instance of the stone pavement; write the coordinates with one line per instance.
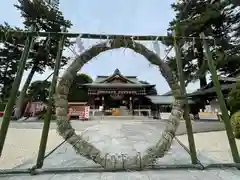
(126, 138)
(198, 126)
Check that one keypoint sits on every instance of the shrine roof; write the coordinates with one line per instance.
(117, 73)
(161, 99)
(226, 84)
(169, 93)
(212, 90)
(117, 85)
(117, 80)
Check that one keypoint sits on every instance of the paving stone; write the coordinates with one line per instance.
(130, 138)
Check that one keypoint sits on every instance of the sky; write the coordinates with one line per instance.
(130, 17)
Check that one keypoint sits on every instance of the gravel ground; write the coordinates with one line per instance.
(23, 140)
(198, 126)
(213, 144)
(22, 145)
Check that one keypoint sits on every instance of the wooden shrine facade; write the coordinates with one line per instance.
(117, 90)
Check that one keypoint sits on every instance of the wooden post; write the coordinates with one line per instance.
(223, 107)
(186, 107)
(15, 86)
(130, 104)
(47, 119)
(102, 101)
(131, 100)
(103, 107)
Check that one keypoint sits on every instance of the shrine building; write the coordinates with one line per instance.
(119, 95)
(125, 95)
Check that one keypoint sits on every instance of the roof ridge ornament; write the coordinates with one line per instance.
(117, 71)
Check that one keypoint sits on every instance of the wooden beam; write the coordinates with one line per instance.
(4, 34)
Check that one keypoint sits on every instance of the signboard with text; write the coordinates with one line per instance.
(116, 92)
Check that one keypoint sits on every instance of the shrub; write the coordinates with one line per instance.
(234, 99)
(235, 121)
(2, 106)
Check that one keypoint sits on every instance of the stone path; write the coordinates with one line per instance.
(198, 126)
(126, 137)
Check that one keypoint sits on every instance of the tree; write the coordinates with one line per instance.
(235, 122)
(10, 53)
(234, 106)
(45, 18)
(234, 98)
(39, 90)
(77, 93)
(212, 19)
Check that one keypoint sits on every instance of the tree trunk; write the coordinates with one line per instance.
(88, 150)
(20, 101)
(200, 59)
(3, 95)
(203, 81)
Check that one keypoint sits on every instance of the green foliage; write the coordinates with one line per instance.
(46, 19)
(234, 99)
(44, 51)
(235, 121)
(216, 20)
(9, 57)
(39, 90)
(78, 93)
(2, 106)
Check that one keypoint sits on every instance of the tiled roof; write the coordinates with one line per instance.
(131, 79)
(169, 93)
(159, 99)
(117, 85)
(212, 89)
